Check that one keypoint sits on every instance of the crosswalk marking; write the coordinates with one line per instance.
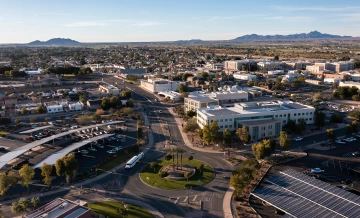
(177, 200)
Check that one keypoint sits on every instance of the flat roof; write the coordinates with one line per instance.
(257, 122)
(14, 154)
(299, 195)
(76, 213)
(52, 158)
(36, 129)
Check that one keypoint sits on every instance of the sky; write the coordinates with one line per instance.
(23, 21)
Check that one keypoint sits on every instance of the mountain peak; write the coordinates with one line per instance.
(54, 41)
(311, 35)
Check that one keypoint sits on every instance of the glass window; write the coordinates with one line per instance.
(310, 118)
(276, 115)
(230, 119)
(226, 120)
(303, 114)
(310, 113)
(280, 115)
(221, 127)
(226, 126)
(295, 115)
(230, 126)
(307, 113)
(299, 114)
(221, 120)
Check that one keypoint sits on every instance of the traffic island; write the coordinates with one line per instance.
(115, 209)
(168, 175)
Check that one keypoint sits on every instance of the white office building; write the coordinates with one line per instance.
(155, 85)
(244, 76)
(263, 119)
(78, 106)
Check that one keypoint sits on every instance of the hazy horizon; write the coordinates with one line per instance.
(160, 20)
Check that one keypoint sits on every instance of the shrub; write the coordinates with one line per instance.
(163, 174)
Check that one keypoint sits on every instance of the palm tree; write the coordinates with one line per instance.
(173, 151)
(181, 151)
(177, 149)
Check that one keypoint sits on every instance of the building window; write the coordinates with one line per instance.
(226, 126)
(299, 114)
(226, 120)
(310, 118)
(307, 113)
(280, 115)
(221, 120)
(230, 119)
(295, 115)
(221, 127)
(276, 115)
(230, 126)
(303, 114)
(310, 113)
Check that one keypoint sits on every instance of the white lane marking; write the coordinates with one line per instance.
(185, 199)
(177, 200)
(194, 198)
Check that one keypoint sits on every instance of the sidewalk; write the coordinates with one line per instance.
(227, 203)
(185, 137)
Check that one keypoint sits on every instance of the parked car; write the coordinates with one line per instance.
(111, 151)
(160, 111)
(339, 142)
(298, 139)
(84, 151)
(34, 126)
(99, 145)
(356, 153)
(118, 136)
(316, 170)
(92, 149)
(2, 148)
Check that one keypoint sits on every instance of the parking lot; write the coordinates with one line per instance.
(88, 155)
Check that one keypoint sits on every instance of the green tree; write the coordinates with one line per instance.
(168, 157)
(206, 134)
(291, 125)
(251, 163)
(60, 167)
(126, 93)
(182, 88)
(82, 98)
(47, 119)
(200, 167)
(319, 119)
(355, 126)
(46, 171)
(127, 111)
(355, 114)
(24, 111)
(26, 174)
(21, 206)
(105, 103)
(40, 109)
(227, 134)
(259, 150)
(114, 102)
(83, 119)
(284, 141)
(331, 134)
(71, 165)
(191, 125)
(154, 165)
(122, 212)
(349, 129)
(187, 175)
(269, 145)
(190, 158)
(35, 202)
(190, 113)
(6, 181)
(214, 131)
(243, 134)
(336, 118)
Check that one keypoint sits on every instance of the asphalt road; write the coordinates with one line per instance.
(211, 194)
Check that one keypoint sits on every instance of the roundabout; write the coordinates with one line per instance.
(165, 175)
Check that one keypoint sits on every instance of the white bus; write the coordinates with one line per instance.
(131, 163)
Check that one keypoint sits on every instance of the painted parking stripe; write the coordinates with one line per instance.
(195, 198)
(185, 199)
(177, 200)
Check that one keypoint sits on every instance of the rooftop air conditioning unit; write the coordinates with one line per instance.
(64, 205)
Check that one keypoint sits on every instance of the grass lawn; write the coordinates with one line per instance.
(200, 178)
(69, 74)
(2, 133)
(110, 209)
(115, 162)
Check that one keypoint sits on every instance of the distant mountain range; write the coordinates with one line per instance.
(311, 35)
(54, 41)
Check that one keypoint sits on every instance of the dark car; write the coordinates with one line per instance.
(346, 181)
(19, 165)
(2, 149)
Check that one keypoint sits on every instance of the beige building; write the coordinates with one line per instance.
(259, 129)
(155, 85)
(109, 89)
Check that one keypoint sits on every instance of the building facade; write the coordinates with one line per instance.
(155, 85)
(109, 89)
(264, 113)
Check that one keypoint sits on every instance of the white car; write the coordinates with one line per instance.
(339, 142)
(34, 126)
(51, 123)
(316, 170)
(298, 139)
(352, 138)
(118, 136)
(84, 151)
(160, 111)
(111, 151)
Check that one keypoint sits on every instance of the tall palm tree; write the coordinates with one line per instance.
(173, 151)
(181, 151)
(177, 149)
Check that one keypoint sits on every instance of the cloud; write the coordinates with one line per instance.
(315, 8)
(349, 17)
(147, 24)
